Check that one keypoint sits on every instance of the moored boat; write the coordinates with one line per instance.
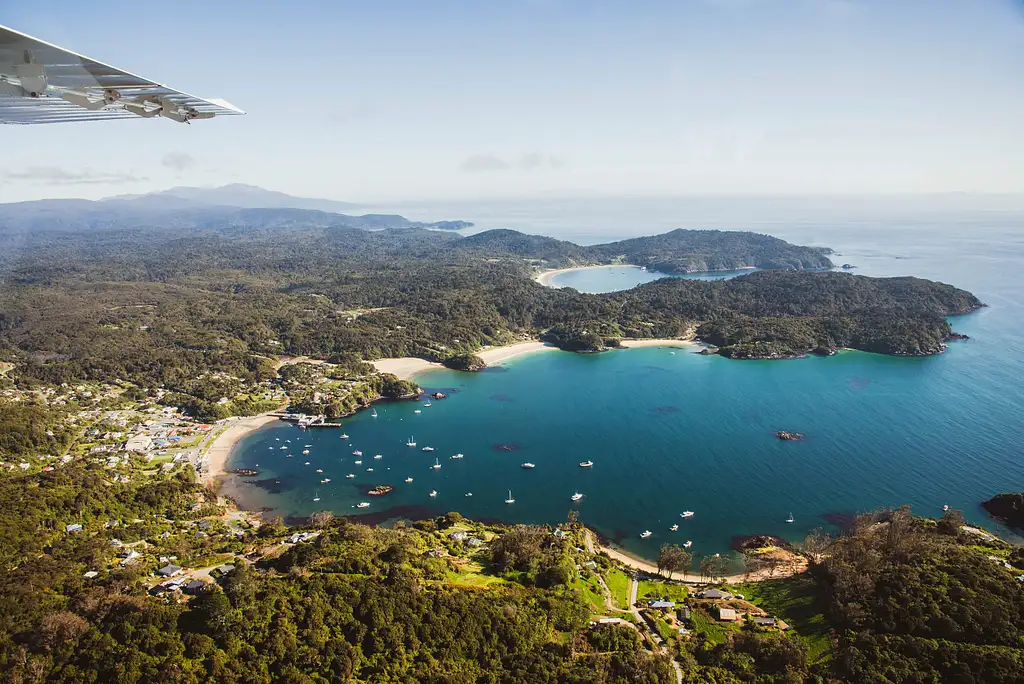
(586, 464)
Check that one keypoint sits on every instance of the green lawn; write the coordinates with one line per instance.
(669, 592)
(795, 601)
(618, 583)
(714, 630)
(474, 579)
(591, 591)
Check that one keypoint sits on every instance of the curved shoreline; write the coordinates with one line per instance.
(545, 278)
(216, 457)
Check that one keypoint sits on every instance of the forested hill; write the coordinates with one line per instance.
(159, 305)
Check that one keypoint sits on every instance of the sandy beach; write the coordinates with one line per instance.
(545, 278)
(407, 367)
(218, 453)
(630, 344)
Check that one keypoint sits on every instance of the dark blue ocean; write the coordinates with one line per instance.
(670, 432)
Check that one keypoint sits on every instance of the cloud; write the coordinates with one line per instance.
(530, 161)
(54, 175)
(178, 161)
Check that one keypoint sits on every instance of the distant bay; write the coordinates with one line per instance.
(598, 279)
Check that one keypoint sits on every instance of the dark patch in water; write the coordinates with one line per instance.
(665, 410)
(493, 369)
(841, 519)
(506, 447)
(442, 390)
(273, 485)
(404, 512)
(501, 397)
(654, 368)
(859, 383)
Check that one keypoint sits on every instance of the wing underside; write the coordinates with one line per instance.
(44, 83)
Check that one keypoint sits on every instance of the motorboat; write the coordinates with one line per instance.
(284, 448)
(343, 436)
(363, 504)
(350, 476)
(586, 464)
(378, 457)
(527, 466)
(358, 462)
(305, 451)
(469, 493)
(417, 411)
(688, 544)
(307, 446)
(456, 457)
(433, 492)
(408, 479)
(686, 514)
(357, 452)
(325, 480)
(428, 449)
(306, 463)
(576, 497)
(645, 534)
(945, 507)
(319, 470)
(510, 500)
(369, 470)
(674, 528)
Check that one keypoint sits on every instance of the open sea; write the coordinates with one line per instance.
(669, 432)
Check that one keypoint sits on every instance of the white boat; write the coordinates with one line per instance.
(306, 463)
(411, 442)
(271, 448)
(325, 480)
(645, 534)
(576, 497)
(790, 518)
(527, 466)
(283, 448)
(288, 456)
(686, 514)
(357, 452)
(408, 479)
(377, 457)
(278, 439)
(586, 464)
(305, 451)
(456, 457)
(288, 440)
(308, 446)
(363, 504)
(350, 476)
(319, 470)
(374, 414)
(469, 493)
(433, 492)
(674, 527)
(427, 404)
(688, 544)
(369, 470)
(428, 448)
(436, 466)
(358, 462)
(672, 353)
(343, 436)
(417, 411)
(945, 507)
(316, 496)
(510, 500)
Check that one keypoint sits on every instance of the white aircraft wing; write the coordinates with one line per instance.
(43, 83)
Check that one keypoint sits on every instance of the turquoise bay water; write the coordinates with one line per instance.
(614, 278)
(673, 432)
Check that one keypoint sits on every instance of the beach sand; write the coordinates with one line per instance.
(545, 278)
(407, 367)
(630, 344)
(218, 453)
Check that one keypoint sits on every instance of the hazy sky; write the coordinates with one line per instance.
(385, 100)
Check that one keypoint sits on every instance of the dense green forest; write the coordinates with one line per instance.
(903, 599)
(161, 306)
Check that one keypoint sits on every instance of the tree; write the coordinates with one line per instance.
(673, 558)
(707, 567)
(321, 519)
(951, 522)
(815, 544)
(519, 547)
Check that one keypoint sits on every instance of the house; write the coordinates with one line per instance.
(683, 631)
(90, 574)
(473, 541)
(560, 534)
(763, 621)
(458, 536)
(139, 443)
(73, 527)
(610, 621)
(716, 594)
(130, 558)
(662, 604)
(435, 553)
(224, 569)
(205, 524)
(590, 565)
(169, 570)
(683, 614)
(194, 587)
(727, 615)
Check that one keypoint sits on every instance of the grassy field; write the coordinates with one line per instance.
(591, 591)
(618, 583)
(669, 592)
(794, 600)
(714, 630)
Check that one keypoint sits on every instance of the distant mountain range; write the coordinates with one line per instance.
(238, 206)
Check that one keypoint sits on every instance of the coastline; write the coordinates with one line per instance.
(407, 367)
(670, 342)
(545, 277)
(216, 457)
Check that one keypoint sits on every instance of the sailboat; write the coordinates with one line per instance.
(576, 497)
(510, 500)
(411, 442)
(790, 518)
(316, 496)
(374, 414)
(436, 466)
(427, 404)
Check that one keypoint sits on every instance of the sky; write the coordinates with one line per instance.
(388, 100)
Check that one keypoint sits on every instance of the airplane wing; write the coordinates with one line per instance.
(43, 83)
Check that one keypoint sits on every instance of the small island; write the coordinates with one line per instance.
(463, 362)
(380, 490)
(245, 472)
(787, 436)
